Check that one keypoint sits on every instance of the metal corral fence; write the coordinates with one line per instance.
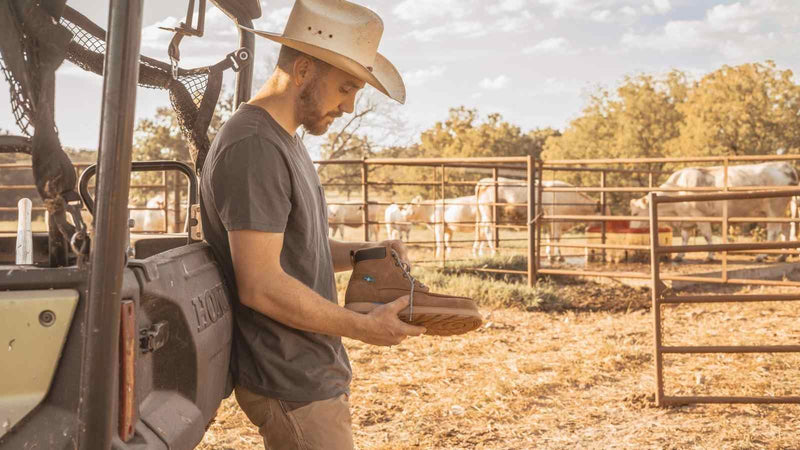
(167, 187)
(661, 296)
(595, 175)
(442, 184)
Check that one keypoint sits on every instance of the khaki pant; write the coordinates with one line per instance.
(324, 424)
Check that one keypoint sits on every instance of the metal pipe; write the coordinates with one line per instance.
(531, 224)
(676, 400)
(655, 292)
(121, 71)
(729, 298)
(495, 230)
(732, 349)
(673, 160)
(752, 195)
(365, 198)
(244, 77)
(729, 247)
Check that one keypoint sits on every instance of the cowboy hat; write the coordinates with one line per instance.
(344, 35)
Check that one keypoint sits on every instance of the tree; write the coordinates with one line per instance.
(160, 138)
(751, 109)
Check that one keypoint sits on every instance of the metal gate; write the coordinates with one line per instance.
(661, 296)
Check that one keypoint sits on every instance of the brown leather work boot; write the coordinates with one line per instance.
(380, 277)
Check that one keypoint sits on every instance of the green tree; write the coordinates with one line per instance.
(750, 109)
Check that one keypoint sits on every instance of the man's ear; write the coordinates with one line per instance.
(302, 70)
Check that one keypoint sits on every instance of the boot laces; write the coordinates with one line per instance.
(406, 268)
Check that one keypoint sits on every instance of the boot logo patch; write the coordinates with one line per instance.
(369, 279)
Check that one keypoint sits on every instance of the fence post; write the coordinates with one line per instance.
(531, 218)
(539, 213)
(444, 222)
(176, 203)
(365, 197)
(496, 230)
(165, 207)
(725, 226)
(655, 291)
(603, 212)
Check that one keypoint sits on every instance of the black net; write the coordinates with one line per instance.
(187, 92)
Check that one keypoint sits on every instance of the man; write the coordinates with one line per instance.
(265, 217)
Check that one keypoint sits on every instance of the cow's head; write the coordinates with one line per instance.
(640, 207)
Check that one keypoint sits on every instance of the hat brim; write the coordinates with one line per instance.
(383, 76)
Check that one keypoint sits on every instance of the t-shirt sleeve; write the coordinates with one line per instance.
(252, 187)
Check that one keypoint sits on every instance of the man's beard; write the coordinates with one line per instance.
(308, 110)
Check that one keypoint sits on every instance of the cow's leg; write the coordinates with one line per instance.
(684, 242)
(793, 226)
(705, 230)
(557, 239)
(437, 234)
(447, 235)
(773, 230)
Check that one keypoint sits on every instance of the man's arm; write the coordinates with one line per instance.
(341, 251)
(264, 287)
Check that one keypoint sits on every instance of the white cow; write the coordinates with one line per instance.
(351, 215)
(516, 191)
(460, 214)
(765, 174)
(397, 222)
(149, 220)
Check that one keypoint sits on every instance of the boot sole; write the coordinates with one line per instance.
(437, 321)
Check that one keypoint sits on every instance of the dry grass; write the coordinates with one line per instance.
(577, 379)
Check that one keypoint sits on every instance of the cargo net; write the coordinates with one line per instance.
(193, 93)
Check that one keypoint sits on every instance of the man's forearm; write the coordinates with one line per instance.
(340, 251)
(292, 303)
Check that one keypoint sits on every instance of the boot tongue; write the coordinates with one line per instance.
(369, 253)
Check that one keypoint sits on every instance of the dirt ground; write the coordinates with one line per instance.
(583, 378)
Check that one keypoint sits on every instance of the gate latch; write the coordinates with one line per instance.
(153, 338)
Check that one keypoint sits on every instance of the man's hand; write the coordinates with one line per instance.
(385, 328)
(400, 248)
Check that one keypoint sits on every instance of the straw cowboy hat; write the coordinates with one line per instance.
(344, 35)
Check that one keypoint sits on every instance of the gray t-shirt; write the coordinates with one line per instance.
(258, 177)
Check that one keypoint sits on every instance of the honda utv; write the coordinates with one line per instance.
(109, 339)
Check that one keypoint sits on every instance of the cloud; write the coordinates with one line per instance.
(494, 84)
(421, 76)
(420, 11)
(505, 6)
(601, 15)
(517, 22)
(677, 35)
(551, 45)
(662, 6)
(735, 31)
(459, 28)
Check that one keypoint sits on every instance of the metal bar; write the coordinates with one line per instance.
(539, 213)
(655, 293)
(101, 358)
(531, 224)
(365, 198)
(682, 400)
(732, 349)
(127, 370)
(725, 225)
(597, 218)
(730, 247)
(444, 220)
(749, 195)
(603, 211)
(588, 273)
(729, 298)
(504, 271)
(495, 230)
(244, 77)
(673, 160)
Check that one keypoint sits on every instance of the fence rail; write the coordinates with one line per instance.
(660, 297)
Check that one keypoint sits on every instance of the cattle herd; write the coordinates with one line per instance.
(474, 213)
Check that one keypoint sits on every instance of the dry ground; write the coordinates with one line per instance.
(579, 379)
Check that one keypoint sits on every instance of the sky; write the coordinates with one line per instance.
(533, 61)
